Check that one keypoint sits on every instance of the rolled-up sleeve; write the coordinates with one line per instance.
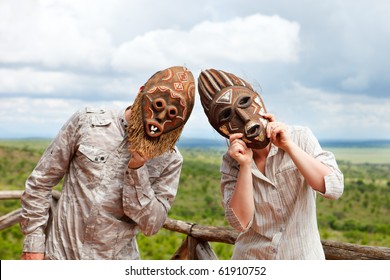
(334, 182)
(229, 172)
(146, 198)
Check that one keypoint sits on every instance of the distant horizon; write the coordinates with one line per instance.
(214, 142)
(211, 139)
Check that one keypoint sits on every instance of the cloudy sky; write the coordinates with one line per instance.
(322, 64)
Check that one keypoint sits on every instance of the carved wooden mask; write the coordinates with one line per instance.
(167, 100)
(232, 106)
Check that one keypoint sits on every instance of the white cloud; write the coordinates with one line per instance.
(256, 38)
(30, 81)
(55, 34)
(60, 49)
(333, 115)
(51, 34)
(55, 84)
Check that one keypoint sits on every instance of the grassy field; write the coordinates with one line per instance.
(362, 155)
(361, 215)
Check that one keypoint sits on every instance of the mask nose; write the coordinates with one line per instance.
(251, 128)
(243, 115)
(161, 116)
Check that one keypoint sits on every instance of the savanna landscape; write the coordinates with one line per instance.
(360, 216)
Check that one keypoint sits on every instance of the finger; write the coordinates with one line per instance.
(137, 154)
(274, 125)
(279, 127)
(235, 136)
(139, 157)
(278, 132)
(269, 129)
(269, 117)
(240, 143)
(237, 147)
(237, 141)
(274, 133)
(238, 152)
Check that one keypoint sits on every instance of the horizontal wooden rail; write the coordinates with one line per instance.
(10, 219)
(200, 234)
(208, 233)
(334, 250)
(10, 195)
(4, 195)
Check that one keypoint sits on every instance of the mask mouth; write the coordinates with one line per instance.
(153, 128)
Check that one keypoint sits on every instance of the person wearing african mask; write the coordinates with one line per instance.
(270, 174)
(121, 172)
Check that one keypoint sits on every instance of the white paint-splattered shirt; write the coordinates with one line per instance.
(284, 225)
(103, 202)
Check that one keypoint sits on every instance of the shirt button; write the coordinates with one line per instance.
(96, 158)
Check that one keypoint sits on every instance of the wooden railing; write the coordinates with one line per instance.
(196, 244)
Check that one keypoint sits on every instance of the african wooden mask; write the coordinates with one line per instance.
(161, 108)
(167, 100)
(232, 106)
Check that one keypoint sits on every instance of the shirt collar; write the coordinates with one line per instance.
(122, 121)
(273, 150)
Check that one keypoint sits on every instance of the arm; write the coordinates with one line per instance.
(239, 203)
(311, 168)
(148, 201)
(319, 168)
(37, 195)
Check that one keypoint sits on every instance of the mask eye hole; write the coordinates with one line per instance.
(244, 102)
(225, 115)
(159, 104)
(172, 112)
